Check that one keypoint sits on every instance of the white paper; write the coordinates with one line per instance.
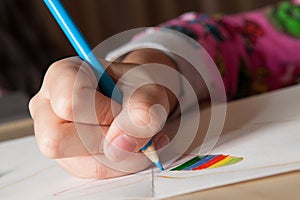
(264, 130)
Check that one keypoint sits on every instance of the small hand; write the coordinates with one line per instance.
(87, 133)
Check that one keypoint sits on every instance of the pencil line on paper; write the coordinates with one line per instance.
(97, 186)
(27, 177)
(152, 183)
(4, 173)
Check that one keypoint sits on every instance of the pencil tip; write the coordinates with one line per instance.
(159, 165)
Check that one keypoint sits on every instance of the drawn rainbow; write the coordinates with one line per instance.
(207, 162)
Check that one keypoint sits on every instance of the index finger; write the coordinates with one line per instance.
(71, 87)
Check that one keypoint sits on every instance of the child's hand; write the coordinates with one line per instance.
(73, 121)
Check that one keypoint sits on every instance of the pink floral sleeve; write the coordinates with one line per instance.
(255, 52)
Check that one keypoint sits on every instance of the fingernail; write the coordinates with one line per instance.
(162, 141)
(121, 147)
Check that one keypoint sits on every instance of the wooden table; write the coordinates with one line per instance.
(279, 187)
(16, 129)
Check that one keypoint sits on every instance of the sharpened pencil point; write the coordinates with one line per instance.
(150, 152)
(159, 165)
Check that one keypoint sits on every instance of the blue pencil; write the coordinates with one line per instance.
(84, 51)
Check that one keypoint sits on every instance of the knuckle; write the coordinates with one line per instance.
(63, 107)
(50, 147)
(54, 68)
(140, 116)
(149, 117)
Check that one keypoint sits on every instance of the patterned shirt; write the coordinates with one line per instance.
(255, 52)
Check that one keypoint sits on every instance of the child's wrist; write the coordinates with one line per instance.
(144, 56)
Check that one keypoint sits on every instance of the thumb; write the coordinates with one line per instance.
(142, 117)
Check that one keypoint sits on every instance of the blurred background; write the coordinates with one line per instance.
(31, 40)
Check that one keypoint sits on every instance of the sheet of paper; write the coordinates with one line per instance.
(264, 130)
